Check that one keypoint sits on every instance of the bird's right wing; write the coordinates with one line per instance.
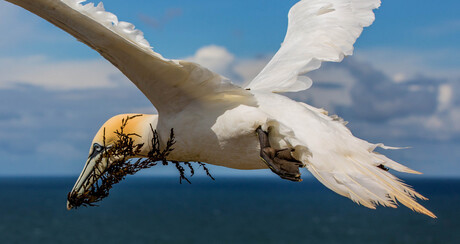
(318, 31)
(169, 84)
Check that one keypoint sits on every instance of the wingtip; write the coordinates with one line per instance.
(430, 214)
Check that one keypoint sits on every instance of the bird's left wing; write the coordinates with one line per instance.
(168, 84)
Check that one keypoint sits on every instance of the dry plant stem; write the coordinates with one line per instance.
(121, 153)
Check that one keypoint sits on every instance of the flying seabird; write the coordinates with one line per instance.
(242, 127)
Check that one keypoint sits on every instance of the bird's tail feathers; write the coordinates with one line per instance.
(351, 167)
(360, 179)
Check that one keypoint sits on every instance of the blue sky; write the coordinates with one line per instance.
(249, 28)
(400, 88)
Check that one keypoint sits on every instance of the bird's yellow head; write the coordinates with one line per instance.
(136, 127)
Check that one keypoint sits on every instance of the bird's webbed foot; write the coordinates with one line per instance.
(281, 162)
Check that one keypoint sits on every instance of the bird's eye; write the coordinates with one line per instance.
(97, 147)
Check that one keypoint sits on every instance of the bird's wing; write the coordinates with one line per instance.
(168, 84)
(318, 31)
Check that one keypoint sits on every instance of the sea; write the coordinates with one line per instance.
(227, 210)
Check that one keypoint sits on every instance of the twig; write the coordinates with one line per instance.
(121, 153)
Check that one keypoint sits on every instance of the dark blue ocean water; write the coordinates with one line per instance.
(228, 210)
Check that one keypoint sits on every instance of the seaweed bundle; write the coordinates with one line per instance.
(122, 164)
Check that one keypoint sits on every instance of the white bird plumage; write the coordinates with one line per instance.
(215, 121)
(318, 31)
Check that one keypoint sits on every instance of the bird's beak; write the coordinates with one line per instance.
(94, 168)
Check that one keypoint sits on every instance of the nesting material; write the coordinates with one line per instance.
(121, 155)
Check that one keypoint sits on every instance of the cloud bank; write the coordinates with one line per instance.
(51, 109)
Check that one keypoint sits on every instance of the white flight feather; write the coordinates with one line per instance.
(318, 31)
(110, 20)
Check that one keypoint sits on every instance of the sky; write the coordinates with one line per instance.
(401, 87)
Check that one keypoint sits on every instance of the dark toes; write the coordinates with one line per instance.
(295, 179)
(281, 162)
(285, 169)
(286, 154)
(290, 177)
(288, 170)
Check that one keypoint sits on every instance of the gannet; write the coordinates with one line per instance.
(245, 127)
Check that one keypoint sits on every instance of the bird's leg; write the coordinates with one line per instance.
(281, 161)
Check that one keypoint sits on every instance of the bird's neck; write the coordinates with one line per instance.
(146, 125)
(139, 127)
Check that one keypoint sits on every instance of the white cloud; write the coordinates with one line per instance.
(434, 127)
(221, 61)
(215, 58)
(248, 69)
(445, 97)
(56, 75)
(399, 77)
